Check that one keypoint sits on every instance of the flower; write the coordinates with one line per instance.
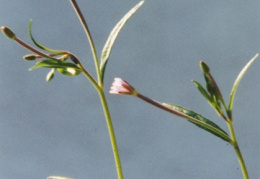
(120, 86)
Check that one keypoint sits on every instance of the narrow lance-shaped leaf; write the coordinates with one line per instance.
(54, 64)
(112, 37)
(40, 45)
(208, 97)
(200, 121)
(237, 81)
(203, 91)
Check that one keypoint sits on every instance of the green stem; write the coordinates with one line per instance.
(238, 152)
(91, 42)
(108, 120)
(111, 133)
(99, 87)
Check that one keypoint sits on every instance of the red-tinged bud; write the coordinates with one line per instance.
(30, 57)
(8, 32)
(204, 67)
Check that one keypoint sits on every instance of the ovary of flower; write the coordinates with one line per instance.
(120, 86)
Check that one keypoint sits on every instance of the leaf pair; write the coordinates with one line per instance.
(212, 94)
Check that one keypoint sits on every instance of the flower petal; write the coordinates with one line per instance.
(120, 86)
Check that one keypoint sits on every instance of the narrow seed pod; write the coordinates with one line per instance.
(8, 32)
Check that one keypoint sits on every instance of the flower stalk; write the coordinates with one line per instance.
(120, 86)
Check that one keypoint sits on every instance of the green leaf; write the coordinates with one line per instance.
(50, 75)
(58, 177)
(203, 91)
(54, 64)
(237, 81)
(209, 98)
(69, 71)
(200, 121)
(40, 45)
(213, 91)
(112, 37)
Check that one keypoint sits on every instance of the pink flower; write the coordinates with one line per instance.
(120, 86)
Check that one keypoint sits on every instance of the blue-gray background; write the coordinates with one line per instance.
(58, 128)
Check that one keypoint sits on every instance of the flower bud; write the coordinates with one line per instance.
(120, 86)
(204, 67)
(30, 57)
(74, 59)
(8, 32)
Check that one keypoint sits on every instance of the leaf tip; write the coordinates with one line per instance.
(141, 2)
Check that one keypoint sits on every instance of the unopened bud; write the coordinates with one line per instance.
(74, 59)
(204, 67)
(120, 86)
(8, 32)
(30, 57)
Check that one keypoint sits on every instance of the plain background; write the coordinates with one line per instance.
(58, 128)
